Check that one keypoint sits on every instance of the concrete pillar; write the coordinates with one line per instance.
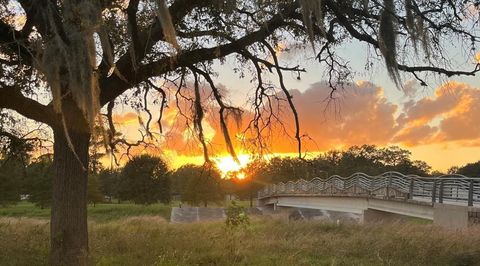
(375, 216)
(451, 216)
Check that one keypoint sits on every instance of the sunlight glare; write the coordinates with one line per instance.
(227, 164)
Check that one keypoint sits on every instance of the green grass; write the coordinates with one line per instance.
(152, 241)
(99, 213)
(24, 209)
(103, 212)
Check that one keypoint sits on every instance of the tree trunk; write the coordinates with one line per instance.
(68, 227)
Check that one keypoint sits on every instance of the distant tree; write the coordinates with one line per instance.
(15, 154)
(437, 173)
(199, 184)
(393, 155)
(255, 176)
(144, 180)
(286, 169)
(333, 157)
(453, 170)
(420, 168)
(109, 182)
(470, 169)
(180, 178)
(94, 193)
(39, 181)
(409, 167)
(372, 160)
(11, 176)
(365, 158)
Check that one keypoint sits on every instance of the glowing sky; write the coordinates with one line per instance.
(439, 124)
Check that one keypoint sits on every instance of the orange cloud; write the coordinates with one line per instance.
(359, 114)
(126, 119)
(450, 115)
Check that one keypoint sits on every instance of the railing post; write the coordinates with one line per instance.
(410, 190)
(470, 193)
(434, 191)
(388, 186)
(440, 193)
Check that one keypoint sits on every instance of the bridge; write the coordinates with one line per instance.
(450, 200)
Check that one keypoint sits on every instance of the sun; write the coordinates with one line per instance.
(228, 165)
(241, 175)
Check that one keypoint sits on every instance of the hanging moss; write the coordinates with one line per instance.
(165, 19)
(69, 58)
(312, 14)
(415, 28)
(388, 40)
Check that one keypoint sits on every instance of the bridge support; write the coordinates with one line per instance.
(452, 216)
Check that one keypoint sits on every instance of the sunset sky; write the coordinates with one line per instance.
(439, 123)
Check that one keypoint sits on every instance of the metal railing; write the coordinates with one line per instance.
(388, 185)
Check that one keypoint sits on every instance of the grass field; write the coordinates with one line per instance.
(150, 240)
(99, 213)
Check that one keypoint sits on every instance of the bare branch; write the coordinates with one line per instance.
(288, 96)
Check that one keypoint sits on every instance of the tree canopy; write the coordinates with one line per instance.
(470, 169)
(198, 184)
(144, 180)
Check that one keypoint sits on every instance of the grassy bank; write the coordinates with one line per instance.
(151, 241)
(98, 213)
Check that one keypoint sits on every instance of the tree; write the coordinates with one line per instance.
(198, 184)
(144, 180)
(394, 155)
(287, 169)
(11, 177)
(180, 178)
(109, 182)
(15, 154)
(94, 193)
(39, 181)
(141, 41)
(365, 158)
(470, 170)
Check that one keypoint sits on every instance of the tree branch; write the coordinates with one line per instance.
(113, 86)
(12, 98)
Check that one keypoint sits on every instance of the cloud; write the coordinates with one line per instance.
(126, 118)
(359, 114)
(410, 88)
(451, 115)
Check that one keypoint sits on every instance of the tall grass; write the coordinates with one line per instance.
(150, 240)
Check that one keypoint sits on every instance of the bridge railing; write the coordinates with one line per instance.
(387, 185)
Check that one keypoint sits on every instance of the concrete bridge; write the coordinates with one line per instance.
(451, 200)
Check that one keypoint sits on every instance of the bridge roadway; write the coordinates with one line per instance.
(452, 201)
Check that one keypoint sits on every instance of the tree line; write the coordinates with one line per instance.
(146, 179)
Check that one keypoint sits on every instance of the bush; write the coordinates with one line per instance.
(236, 216)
